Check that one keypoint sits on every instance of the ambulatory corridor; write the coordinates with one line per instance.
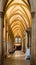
(17, 29)
(17, 32)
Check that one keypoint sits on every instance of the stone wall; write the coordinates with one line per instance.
(33, 5)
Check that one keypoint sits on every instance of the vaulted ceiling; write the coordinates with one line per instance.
(18, 16)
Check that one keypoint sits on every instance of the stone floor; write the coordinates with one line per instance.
(18, 58)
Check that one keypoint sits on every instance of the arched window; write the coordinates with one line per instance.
(18, 40)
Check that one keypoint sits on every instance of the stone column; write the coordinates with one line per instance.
(5, 48)
(1, 39)
(7, 40)
(1, 33)
(28, 37)
(33, 44)
(23, 45)
(26, 40)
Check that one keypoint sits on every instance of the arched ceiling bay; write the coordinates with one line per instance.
(18, 16)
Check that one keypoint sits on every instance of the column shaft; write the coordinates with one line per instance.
(5, 50)
(1, 39)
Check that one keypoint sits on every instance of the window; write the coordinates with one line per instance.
(18, 40)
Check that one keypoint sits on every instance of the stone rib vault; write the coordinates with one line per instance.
(18, 16)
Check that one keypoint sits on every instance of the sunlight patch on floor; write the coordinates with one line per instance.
(17, 55)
